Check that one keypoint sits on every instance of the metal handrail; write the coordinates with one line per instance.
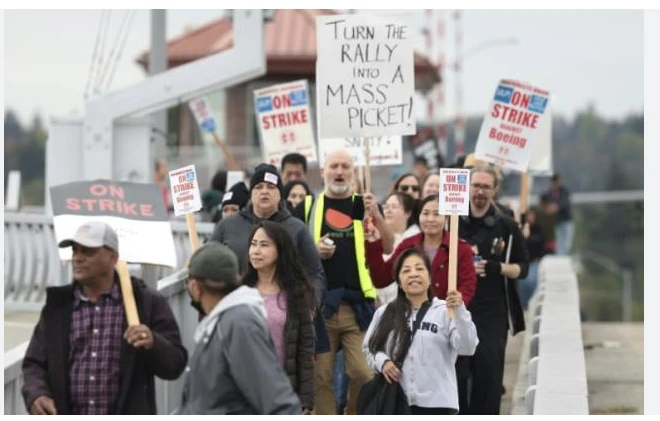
(168, 393)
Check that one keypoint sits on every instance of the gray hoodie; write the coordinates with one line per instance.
(234, 232)
(234, 368)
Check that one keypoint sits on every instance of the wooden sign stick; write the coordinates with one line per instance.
(367, 164)
(231, 161)
(127, 294)
(192, 231)
(453, 257)
(524, 196)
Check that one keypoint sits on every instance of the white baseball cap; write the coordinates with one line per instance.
(93, 234)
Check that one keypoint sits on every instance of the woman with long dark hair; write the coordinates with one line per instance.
(423, 364)
(274, 268)
(434, 241)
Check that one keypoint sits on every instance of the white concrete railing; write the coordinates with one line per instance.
(168, 393)
(552, 377)
(32, 262)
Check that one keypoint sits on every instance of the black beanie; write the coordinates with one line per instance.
(267, 173)
(237, 195)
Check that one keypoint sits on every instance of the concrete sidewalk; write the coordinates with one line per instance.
(614, 357)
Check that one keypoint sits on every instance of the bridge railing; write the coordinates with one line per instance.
(32, 261)
(168, 393)
(552, 375)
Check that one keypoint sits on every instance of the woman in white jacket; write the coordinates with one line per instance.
(427, 374)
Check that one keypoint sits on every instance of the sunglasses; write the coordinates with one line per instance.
(406, 187)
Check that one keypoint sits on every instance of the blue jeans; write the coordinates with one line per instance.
(340, 382)
(564, 232)
(528, 285)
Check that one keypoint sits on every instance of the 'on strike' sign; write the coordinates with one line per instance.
(514, 125)
(185, 190)
(365, 75)
(284, 121)
(454, 191)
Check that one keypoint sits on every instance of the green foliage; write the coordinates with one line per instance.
(25, 150)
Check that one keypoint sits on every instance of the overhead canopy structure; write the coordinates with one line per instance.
(290, 45)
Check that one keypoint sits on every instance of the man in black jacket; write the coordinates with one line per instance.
(496, 305)
(82, 357)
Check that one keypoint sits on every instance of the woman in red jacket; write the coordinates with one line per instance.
(434, 241)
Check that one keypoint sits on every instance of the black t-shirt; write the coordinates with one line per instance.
(341, 268)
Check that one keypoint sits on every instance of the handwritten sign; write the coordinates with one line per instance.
(136, 212)
(202, 111)
(365, 75)
(383, 150)
(185, 191)
(284, 121)
(454, 191)
(512, 128)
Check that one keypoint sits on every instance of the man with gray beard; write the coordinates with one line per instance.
(334, 220)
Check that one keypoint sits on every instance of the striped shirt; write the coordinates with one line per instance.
(95, 342)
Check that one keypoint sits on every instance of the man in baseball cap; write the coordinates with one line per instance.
(85, 376)
(93, 234)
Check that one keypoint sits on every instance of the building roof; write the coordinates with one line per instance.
(290, 43)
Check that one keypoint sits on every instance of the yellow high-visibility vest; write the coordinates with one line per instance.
(314, 226)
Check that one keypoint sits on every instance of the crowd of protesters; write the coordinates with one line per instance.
(308, 301)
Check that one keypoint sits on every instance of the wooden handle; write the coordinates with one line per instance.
(192, 231)
(127, 294)
(524, 194)
(231, 161)
(453, 256)
(367, 164)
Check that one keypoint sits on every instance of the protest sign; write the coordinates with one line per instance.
(135, 211)
(201, 109)
(284, 121)
(186, 199)
(185, 190)
(203, 115)
(454, 191)
(513, 126)
(365, 75)
(541, 162)
(383, 150)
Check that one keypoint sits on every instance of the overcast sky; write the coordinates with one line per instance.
(582, 57)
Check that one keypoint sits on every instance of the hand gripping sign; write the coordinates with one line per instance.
(454, 199)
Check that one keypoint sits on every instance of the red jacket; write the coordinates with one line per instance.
(382, 272)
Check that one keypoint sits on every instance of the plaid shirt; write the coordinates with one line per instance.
(95, 342)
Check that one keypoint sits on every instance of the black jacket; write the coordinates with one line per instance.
(46, 363)
(496, 295)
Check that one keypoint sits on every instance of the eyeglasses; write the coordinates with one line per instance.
(406, 187)
(484, 187)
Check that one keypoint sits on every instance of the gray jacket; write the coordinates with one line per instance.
(234, 232)
(234, 368)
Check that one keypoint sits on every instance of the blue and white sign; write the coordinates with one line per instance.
(203, 115)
